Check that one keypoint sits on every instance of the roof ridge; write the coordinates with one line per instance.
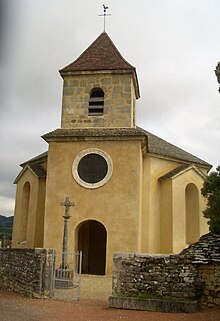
(117, 50)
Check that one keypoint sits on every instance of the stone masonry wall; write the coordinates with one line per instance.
(210, 278)
(159, 276)
(192, 274)
(206, 256)
(119, 100)
(26, 271)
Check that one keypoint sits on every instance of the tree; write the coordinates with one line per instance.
(211, 191)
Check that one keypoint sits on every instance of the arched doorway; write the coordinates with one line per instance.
(192, 213)
(92, 237)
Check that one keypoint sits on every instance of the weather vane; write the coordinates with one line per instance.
(105, 8)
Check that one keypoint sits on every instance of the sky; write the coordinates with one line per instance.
(174, 45)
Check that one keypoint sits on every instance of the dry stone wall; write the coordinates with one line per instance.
(210, 278)
(206, 256)
(170, 276)
(26, 271)
(194, 274)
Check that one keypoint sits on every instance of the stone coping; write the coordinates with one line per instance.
(158, 305)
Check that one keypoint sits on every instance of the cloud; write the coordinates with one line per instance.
(174, 46)
(6, 206)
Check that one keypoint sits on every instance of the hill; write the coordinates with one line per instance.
(6, 224)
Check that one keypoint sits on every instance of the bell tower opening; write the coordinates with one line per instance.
(96, 102)
(92, 238)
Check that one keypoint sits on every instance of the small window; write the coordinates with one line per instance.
(96, 102)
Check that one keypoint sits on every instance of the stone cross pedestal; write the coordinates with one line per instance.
(64, 274)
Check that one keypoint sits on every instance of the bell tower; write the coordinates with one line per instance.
(100, 89)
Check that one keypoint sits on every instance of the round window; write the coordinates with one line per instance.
(92, 168)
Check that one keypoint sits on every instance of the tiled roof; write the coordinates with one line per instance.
(38, 170)
(174, 172)
(100, 55)
(180, 169)
(155, 145)
(36, 159)
(94, 132)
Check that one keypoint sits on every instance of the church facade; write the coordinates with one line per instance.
(132, 191)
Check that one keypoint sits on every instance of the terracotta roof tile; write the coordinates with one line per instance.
(100, 55)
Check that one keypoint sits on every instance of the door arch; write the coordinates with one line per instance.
(92, 238)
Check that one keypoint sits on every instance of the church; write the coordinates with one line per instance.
(132, 191)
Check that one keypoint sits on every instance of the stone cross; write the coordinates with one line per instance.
(66, 217)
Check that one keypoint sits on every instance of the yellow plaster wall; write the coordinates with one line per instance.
(154, 168)
(119, 100)
(39, 226)
(145, 205)
(163, 219)
(139, 213)
(179, 220)
(116, 204)
(166, 240)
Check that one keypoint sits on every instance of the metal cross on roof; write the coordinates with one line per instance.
(105, 8)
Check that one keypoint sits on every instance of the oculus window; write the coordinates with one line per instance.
(92, 168)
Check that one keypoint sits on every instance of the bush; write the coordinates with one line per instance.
(211, 191)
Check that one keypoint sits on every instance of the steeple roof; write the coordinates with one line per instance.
(100, 55)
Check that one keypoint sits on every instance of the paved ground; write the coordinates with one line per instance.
(95, 287)
(93, 306)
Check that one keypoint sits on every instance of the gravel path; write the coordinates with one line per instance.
(93, 306)
(92, 287)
